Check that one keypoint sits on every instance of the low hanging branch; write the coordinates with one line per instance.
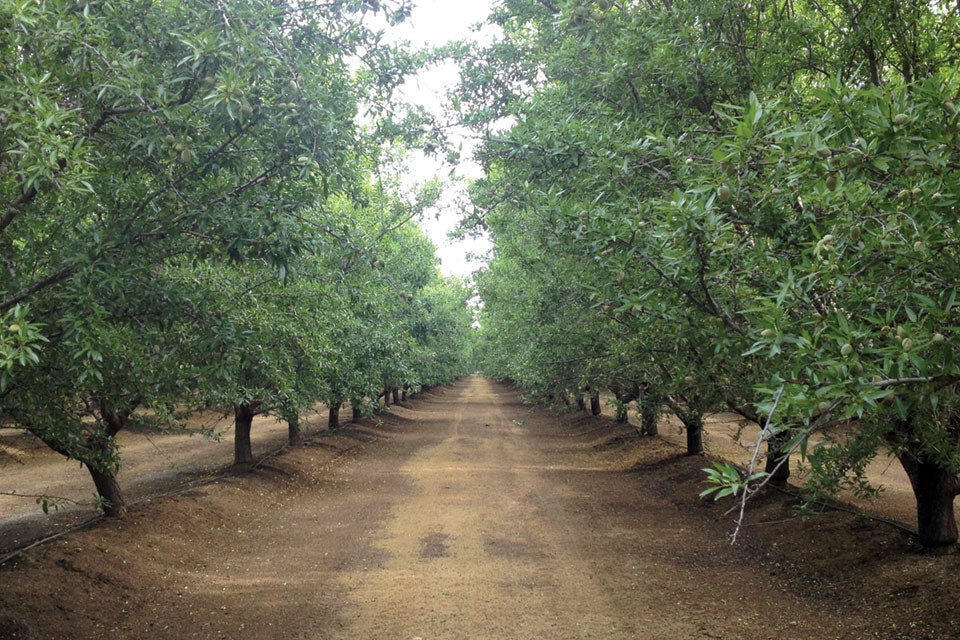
(753, 463)
(750, 491)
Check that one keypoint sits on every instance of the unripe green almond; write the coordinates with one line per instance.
(904, 194)
(210, 81)
(247, 110)
(824, 153)
(688, 379)
(169, 138)
(901, 332)
(831, 181)
(936, 196)
(823, 406)
(915, 192)
(846, 350)
(857, 367)
(768, 333)
(186, 155)
(724, 193)
(884, 329)
(950, 107)
(938, 338)
(689, 161)
(907, 344)
(910, 170)
(854, 234)
(900, 118)
(918, 245)
(14, 328)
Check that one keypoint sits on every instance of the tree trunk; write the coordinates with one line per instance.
(396, 395)
(581, 403)
(242, 421)
(108, 489)
(776, 448)
(649, 412)
(695, 436)
(403, 395)
(386, 397)
(595, 408)
(935, 489)
(356, 405)
(622, 413)
(621, 409)
(333, 421)
(294, 435)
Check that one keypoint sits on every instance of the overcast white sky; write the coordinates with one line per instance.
(432, 23)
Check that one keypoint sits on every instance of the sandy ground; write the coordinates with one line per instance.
(153, 463)
(727, 437)
(466, 515)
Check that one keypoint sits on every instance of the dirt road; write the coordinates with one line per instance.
(464, 515)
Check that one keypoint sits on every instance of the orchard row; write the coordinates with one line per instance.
(194, 217)
(728, 206)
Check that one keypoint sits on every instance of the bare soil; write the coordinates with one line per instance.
(464, 514)
(729, 437)
(153, 463)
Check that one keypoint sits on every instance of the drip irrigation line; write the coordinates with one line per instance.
(178, 491)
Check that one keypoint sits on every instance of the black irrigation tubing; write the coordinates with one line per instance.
(178, 491)
(834, 506)
(831, 505)
(839, 506)
(60, 534)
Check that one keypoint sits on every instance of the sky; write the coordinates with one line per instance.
(432, 23)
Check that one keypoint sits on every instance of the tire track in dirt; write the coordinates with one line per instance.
(463, 545)
(505, 534)
(461, 515)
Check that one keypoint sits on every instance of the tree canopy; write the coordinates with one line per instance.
(201, 208)
(748, 207)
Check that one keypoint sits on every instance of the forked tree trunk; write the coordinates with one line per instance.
(113, 503)
(776, 449)
(294, 435)
(935, 489)
(595, 408)
(108, 489)
(242, 421)
(333, 420)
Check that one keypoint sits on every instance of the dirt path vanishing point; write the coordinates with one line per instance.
(465, 515)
